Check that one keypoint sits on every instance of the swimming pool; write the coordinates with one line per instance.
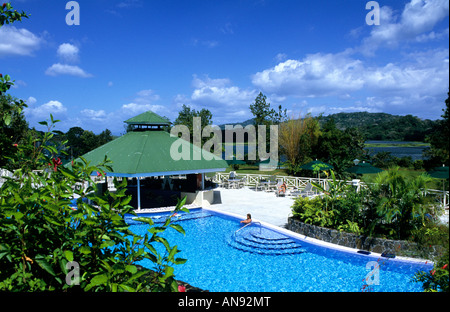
(262, 259)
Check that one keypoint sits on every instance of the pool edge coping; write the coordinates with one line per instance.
(321, 243)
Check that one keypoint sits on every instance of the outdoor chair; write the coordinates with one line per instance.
(242, 182)
(308, 190)
(272, 184)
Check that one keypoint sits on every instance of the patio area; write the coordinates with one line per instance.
(263, 206)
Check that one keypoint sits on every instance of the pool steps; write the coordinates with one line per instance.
(265, 242)
(248, 239)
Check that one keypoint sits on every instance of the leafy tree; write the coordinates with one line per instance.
(402, 202)
(439, 140)
(264, 115)
(104, 137)
(339, 148)
(74, 141)
(8, 15)
(11, 134)
(186, 118)
(261, 110)
(297, 137)
(43, 238)
(82, 141)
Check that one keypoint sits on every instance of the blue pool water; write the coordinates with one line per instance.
(259, 259)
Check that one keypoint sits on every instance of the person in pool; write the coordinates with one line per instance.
(248, 220)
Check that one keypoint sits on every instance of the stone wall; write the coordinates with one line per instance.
(376, 245)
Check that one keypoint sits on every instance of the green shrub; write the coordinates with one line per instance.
(312, 211)
(438, 278)
(44, 243)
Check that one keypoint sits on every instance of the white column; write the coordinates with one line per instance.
(139, 193)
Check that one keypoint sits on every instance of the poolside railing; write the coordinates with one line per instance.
(254, 180)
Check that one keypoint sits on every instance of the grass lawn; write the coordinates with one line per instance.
(435, 184)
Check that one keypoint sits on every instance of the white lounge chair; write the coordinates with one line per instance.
(308, 190)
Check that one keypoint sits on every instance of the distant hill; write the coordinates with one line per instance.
(243, 124)
(382, 126)
(377, 126)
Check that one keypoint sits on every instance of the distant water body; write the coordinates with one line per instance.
(396, 151)
(415, 152)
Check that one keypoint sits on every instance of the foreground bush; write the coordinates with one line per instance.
(47, 245)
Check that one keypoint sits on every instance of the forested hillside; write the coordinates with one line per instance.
(382, 126)
(378, 126)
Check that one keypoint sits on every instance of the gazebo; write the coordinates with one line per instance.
(145, 151)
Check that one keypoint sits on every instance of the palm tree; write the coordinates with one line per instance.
(402, 201)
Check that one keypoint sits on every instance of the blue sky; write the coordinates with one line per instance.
(129, 56)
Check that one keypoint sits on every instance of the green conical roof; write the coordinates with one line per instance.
(153, 153)
(148, 118)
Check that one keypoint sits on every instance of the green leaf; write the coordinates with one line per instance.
(7, 119)
(179, 228)
(179, 261)
(40, 260)
(172, 253)
(131, 268)
(149, 221)
(85, 250)
(69, 255)
(99, 280)
(168, 272)
(127, 288)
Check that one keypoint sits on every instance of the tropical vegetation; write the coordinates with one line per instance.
(57, 231)
(395, 207)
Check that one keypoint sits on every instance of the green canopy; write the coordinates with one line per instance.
(363, 168)
(439, 173)
(148, 153)
(313, 165)
(148, 118)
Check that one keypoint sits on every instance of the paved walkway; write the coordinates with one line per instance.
(263, 206)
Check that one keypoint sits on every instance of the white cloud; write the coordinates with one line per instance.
(224, 100)
(94, 115)
(31, 101)
(417, 18)
(64, 69)
(205, 43)
(15, 41)
(425, 73)
(68, 52)
(99, 120)
(315, 75)
(43, 111)
(129, 4)
(321, 75)
(132, 109)
(220, 93)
